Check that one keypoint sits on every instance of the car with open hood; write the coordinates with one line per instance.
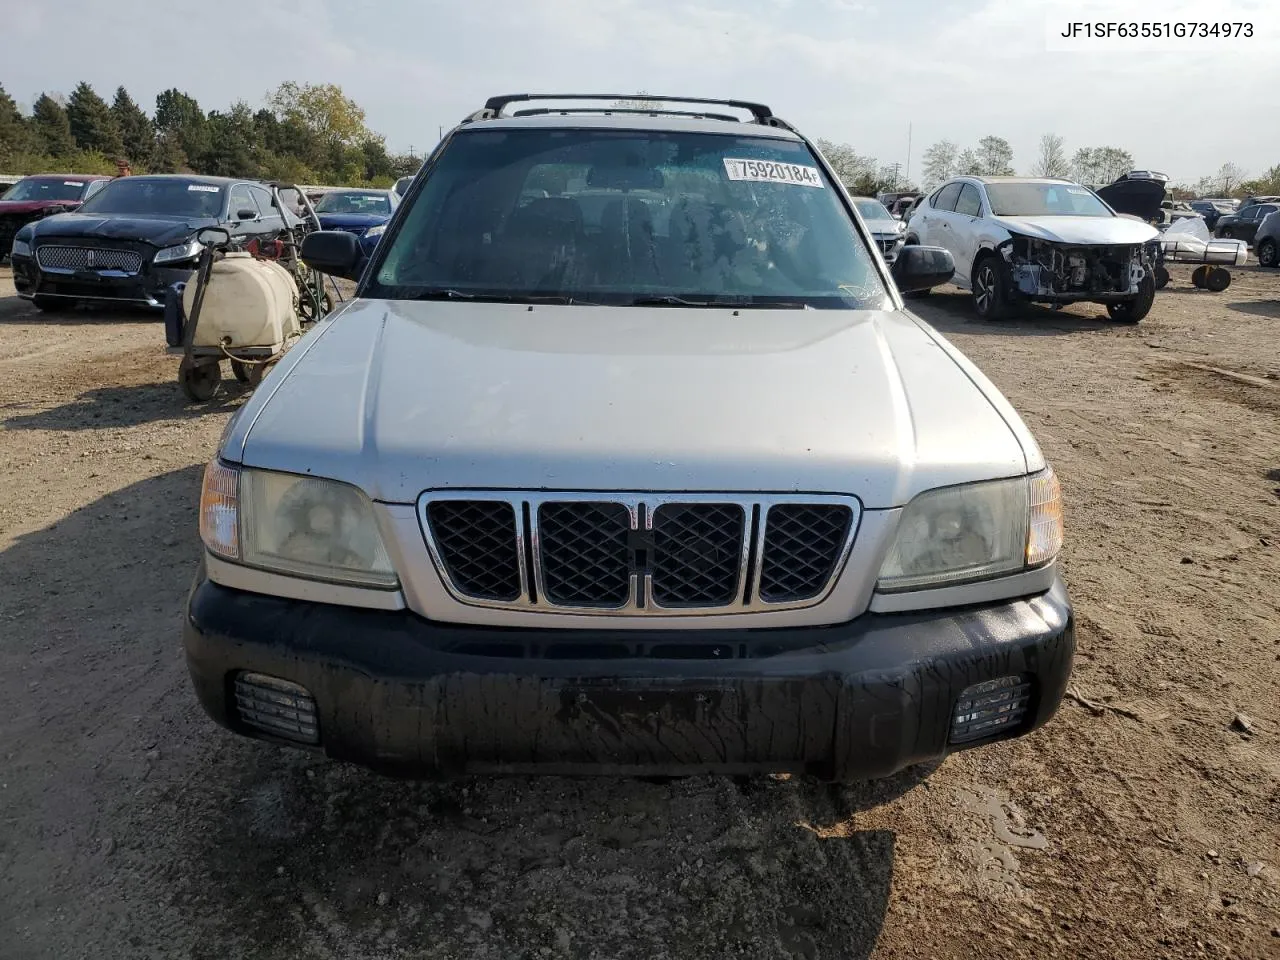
(136, 237)
(42, 195)
(674, 486)
(362, 213)
(1040, 240)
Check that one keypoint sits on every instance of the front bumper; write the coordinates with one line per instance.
(407, 696)
(146, 289)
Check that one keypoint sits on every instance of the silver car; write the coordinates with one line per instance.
(678, 488)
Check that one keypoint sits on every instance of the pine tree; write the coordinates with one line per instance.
(93, 126)
(136, 129)
(50, 128)
(14, 138)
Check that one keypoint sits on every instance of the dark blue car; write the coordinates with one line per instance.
(362, 212)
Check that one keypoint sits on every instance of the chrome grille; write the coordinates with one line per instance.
(55, 257)
(801, 545)
(697, 553)
(584, 553)
(638, 554)
(479, 544)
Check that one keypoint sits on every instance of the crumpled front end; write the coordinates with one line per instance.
(1059, 272)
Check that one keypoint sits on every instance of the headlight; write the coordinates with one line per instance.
(976, 531)
(21, 248)
(303, 526)
(377, 231)
(184, 251)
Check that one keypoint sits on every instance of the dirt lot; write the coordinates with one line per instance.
(1144, 821)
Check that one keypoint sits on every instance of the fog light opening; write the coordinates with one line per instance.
(277, 707)
(990, 708)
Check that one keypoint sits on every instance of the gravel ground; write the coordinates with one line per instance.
(1143, 821)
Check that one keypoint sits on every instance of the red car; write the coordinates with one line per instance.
(45, 194)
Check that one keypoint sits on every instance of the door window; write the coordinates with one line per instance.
(947, 197)
(969, 202)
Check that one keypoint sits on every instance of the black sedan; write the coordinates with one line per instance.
(1243, 224)
(135, 237)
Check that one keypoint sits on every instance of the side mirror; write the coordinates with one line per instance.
(922, 268)
(246, 214)
(334, 252)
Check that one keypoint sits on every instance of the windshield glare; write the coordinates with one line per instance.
(621, 217)
(872, 210)
(1044, 200)
(164, 198)
(339, 202)
(40, 189)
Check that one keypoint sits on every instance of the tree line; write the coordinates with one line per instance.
(992, 156)
(304, 133)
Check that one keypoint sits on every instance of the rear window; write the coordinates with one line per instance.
(164, 198)
(621, 216)
(45, 188)
(337, 201)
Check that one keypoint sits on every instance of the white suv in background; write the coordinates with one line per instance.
(1042, 240)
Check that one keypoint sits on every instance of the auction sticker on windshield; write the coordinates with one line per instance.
(202, 187)
(769, 171)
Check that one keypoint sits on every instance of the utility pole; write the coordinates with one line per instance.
(908, 153)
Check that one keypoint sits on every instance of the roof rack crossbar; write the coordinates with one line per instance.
(549, 111)
(494, 105)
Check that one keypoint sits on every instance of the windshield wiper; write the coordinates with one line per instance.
(668, 300)
(448, 293)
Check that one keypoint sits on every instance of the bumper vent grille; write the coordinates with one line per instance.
(56, 257)
(637, 554)
(277, 707)
(479, 545)
(991, 708)
(801, 546)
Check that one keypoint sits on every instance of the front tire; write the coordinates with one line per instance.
(991, 299)
(1268, 254)
(1132, 311)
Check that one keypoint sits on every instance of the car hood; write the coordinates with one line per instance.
(160, 231)
(33, 206)
(400, 397)
(885, 226)
(1086, 231)
(1142, 198)
(347, 221)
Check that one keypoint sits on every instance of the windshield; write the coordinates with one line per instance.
(1044, 200)
(872, 210)
(628, 217)
(341, 202)
(34, 188)
(154, 197)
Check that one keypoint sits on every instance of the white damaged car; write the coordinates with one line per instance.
(1041, 240)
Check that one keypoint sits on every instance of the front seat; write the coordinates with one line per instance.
(541, 244)
(627, 249)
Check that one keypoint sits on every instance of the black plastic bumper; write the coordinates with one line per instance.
(147, 288)
(412, 697)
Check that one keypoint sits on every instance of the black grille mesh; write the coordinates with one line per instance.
(584, 553)
(53, 257)
(802, 544)
(477, 542)
(697, 554)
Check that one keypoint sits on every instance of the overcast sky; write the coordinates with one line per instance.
(856, 71)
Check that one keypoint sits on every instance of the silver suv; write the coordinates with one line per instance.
(626, 458)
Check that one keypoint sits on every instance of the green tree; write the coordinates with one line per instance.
(853, 169)
(323, 109)
(14, 139)
(168, 156)
(968, 164)
(232, 143)
(994, 157)
(180, 116)
(93, 126)
(137, 132)
(50, 128)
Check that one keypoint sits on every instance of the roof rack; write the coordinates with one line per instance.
(759, 112)
(554, 111)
